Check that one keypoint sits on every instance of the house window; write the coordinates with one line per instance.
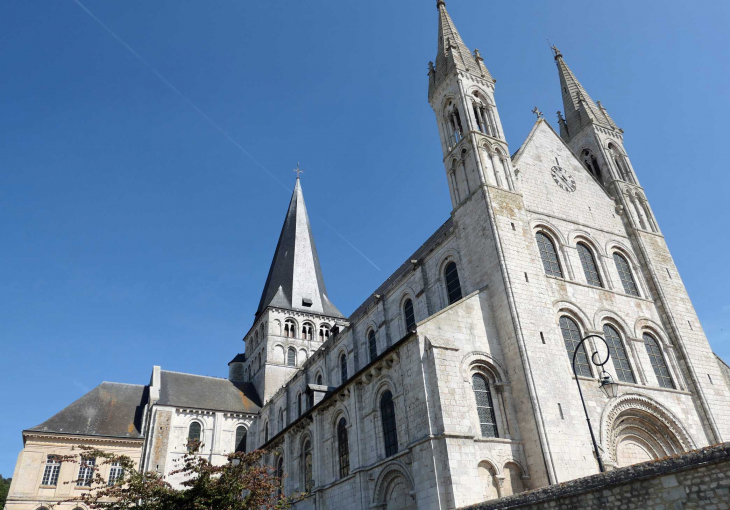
(387, 415)
(324, 332)
(307, 331)
(50, 474)
(548, 255)
(485, 408)
(290, 328)
(624, 272)
(571, 336)
(372, 345)
(453, 286)
(291, 357)
(240, 444)
(658, 363)
(618, 354)
(409, 316)
(115, 474)
(589, 265)
(193, 434)
(86, 472)
(307, 467)
(343, 369)
(343, 448)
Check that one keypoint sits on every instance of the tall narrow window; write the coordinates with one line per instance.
(387, 415)
(86, 472)
(409, 316)
(453, 286)
(571, 336)
(343, 369)
(299, 404)
(240, 444)
(291, 357)
(618, 354)
(307, 331)
(281, 420)
(624, 272)
(193, 434)
(589, 265)
(115, 474)
(280, 475)
(266, 432)
(343, 448)
(658, 363)
(319, 380)
(307, 466)
(372, 345)
(324, 332)
(548, 255)
(290, 328)
(485, 409)
(50, 474)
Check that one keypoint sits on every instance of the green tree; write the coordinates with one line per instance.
(242, 483)
(4, 488)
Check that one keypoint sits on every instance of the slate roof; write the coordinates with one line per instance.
(239, 358)
(201, 392)
(295, 280)
(110, 410)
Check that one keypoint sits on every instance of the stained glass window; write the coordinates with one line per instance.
(571, 336)
(548, 255)
(485, 408)
(343, 448)
(624, 272)
(453, 286)
(618, 354)
(658, 363)
(589, 265)
(409, 316)
(390, 434)
(372, 345)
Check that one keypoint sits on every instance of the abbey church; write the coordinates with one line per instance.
(453, 382)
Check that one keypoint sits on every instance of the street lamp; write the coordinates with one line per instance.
(607, 385)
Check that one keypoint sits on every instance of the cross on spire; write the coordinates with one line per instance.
(537, 112)
(298, 170)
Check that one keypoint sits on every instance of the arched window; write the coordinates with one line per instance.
(589, 265)
(240, 445)
(281, 420)
(548, 255)
(324, 332)
(307, 331)
(343, 369)
(453, 286)
(280, 475)
(387, 415)
(372, 345)
(299, 404)
(571, 336)
(343, 448)
(266, 432)
(624, 272)
(319, 379)
(589, 160)
(290, 328)
(193, 433)
(485, 409)
(291, 357)
(307, 466)
(658, 363)
(409, 316)
(618, 354)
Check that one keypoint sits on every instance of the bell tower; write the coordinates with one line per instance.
(461, 93)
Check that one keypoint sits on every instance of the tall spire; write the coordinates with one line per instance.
(452, 53)
(295, 280)
(580, 110)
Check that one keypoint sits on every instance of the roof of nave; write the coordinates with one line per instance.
(110, 410)
(295, 280)
(202, 392)
(418, 255)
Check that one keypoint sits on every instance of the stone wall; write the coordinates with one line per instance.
(699, 479)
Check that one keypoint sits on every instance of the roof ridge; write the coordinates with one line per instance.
(121, 383)
(195, 375)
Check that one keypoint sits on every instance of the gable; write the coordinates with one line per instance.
(589, 203)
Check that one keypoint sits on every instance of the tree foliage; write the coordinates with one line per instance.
(4, 488)
(242, 483)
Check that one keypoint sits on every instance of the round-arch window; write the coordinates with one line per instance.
(193, 433)
(409, 316)
(372, 345)
(240, 445)
(453, 286)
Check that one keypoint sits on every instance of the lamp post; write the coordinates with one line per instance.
(608, 386)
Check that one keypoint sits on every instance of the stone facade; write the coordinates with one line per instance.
(452, 383)
(697, 480)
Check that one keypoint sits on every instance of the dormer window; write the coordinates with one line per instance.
(306, 302)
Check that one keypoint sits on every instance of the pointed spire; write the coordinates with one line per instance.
(580, 110)
(295, 280)
(452, 53)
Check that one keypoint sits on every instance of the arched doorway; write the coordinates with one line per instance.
(394, 489)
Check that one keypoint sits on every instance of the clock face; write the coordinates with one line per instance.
(563, 179)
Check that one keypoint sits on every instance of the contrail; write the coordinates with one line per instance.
(205, 116)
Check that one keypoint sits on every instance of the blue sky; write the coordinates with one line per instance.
(136, 233)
